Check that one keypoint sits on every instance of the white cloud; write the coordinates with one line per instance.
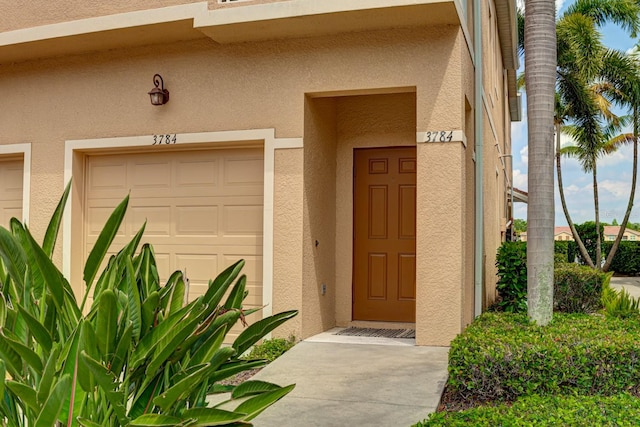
(520, 180)
(559, 4)
(524, 154)
(619, 189)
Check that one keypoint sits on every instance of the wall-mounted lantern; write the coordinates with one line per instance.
(159, 95)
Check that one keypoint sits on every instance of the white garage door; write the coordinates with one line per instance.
(203, 210)
(10, 190)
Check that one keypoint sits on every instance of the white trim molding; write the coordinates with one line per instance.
(271, 143)
(25, 150)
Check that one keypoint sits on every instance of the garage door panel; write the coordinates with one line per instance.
(241, 220)
(241, 172)
(196, 221)
(149, 176)
(97, 217)
(198, 174)
(158, 220)
(107, 178)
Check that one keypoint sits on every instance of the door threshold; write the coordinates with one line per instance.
(331, 337)
(381, 325)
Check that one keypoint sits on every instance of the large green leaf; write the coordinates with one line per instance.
(35, 283)
(155, 420)
(13, 257)
(148, 343)
(173, 338)
(122, 350)
(52, 276)
(50, 236)
(255, 405)
(209, 347)
(259, 329)
(39, 332)
(143, 403)
(26, 394)
(107, 322)
(3, 310)
(249, 388)
(234, 367)
(88, 343)
(181, 389)
(219, 286)
(11, 358)
(148, 271)
(26, 354)
(109, 385)
(3, 378)
(48, 375)
(177, 295)
(103, 242)
(236, 296)
(51, 409)
(133, 300)
(149, 310)
(212, 417)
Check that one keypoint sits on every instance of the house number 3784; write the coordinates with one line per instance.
(164, 139)
(439, 136)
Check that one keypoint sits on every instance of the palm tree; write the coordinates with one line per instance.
(540, 63)
(591, 77)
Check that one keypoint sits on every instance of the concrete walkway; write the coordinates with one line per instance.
(354, 381)
(630, 284)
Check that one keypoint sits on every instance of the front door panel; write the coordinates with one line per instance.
(384, 270)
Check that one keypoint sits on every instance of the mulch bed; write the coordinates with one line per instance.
(240, 377)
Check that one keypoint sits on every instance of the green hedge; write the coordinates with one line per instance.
(502, 356)
(626, 260)
(511, 262)
(577, 288)
(587, 411)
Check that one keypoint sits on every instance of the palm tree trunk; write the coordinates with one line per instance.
(574, 232)
(596, 203)
(632, 195)
(540, 63)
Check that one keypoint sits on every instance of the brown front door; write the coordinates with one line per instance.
(384, 259)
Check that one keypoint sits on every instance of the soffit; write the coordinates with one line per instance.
(295, 18)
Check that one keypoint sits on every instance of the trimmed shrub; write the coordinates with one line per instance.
(503, 356)
(619, 410)
(511, 262)
(577, 288)
(271, 349)
(627, 258)
(561, 251)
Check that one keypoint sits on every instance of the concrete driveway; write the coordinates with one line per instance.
(354, 381)
(630, 284)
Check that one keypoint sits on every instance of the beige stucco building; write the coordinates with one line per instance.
(355, 153)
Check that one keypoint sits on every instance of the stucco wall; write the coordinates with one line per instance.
(318, 246)
(287, 241)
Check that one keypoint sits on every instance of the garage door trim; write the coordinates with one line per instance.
(24, 150)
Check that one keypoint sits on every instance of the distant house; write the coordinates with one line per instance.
(610, 233)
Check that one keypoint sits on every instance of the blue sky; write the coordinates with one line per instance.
(614, 171)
